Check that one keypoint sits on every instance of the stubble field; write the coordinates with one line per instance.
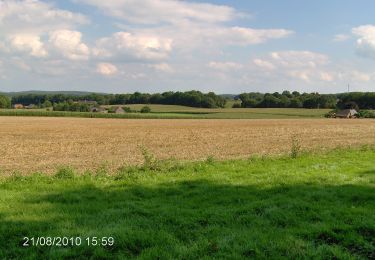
(30, 144)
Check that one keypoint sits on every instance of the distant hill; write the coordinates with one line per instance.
(41, 92)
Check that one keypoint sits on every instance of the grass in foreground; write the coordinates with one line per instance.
(315, 206)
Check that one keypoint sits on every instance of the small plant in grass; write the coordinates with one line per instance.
(295, 147)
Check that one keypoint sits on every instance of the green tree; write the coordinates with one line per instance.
(4, 102)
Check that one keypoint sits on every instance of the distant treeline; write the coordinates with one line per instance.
(287, 100)
(358, 100)
(189, 98)
(362, 100)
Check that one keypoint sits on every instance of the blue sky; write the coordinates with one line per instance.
(123, 46)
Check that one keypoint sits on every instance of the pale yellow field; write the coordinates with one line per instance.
(30, 144)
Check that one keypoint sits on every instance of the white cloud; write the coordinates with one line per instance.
(299, 59)
(248, 36)
(163, 67)
(264, 64)
(301, 75)
(341, 37)
(106, 69)
(164, 11)
(225, 66)
(20, 64)
(303, 66)
(366, 41)
(360, 76)
(189, 25)
(26, 25)
(35, 17)
(31, 44)
(69, 44)
(326, 76)
(126, 45)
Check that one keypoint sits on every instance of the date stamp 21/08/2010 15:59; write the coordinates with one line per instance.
(67, 241)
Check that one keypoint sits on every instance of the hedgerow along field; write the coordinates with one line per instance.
(316, 206)
(44, 144)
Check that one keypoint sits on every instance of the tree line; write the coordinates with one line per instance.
(189, 98)
(358, 100)
(287, 100)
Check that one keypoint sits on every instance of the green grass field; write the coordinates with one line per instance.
(183, 112)
(318, 206)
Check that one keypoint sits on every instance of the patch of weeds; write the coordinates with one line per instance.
(17, 176)
(102, 171)
(295, 149)
(150, 162)
(128, 173)
(172, 165)
(65, 173)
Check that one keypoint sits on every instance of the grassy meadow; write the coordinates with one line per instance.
(181, 112)
(316, 206)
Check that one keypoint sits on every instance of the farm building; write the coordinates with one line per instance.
(31, 106)
(99, 110)
(119, 110)
(347, 113)
(18, 106)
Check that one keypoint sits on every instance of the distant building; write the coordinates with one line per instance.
(119, 110)
(347, 113)
(18, 106)
(99, 110)
(31, 106)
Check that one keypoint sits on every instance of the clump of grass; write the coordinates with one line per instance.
(65, 173)
(102, 171)
(210, 159)
(295, 149)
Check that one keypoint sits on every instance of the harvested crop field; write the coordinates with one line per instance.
(30, 144)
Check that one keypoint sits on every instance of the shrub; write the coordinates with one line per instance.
(127, 109)
(366, 114)
(236, 105)
(145, 109)
(331, 114)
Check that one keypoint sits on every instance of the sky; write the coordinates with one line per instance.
(123, 46)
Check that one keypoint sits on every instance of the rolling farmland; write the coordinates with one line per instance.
(31, 144)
